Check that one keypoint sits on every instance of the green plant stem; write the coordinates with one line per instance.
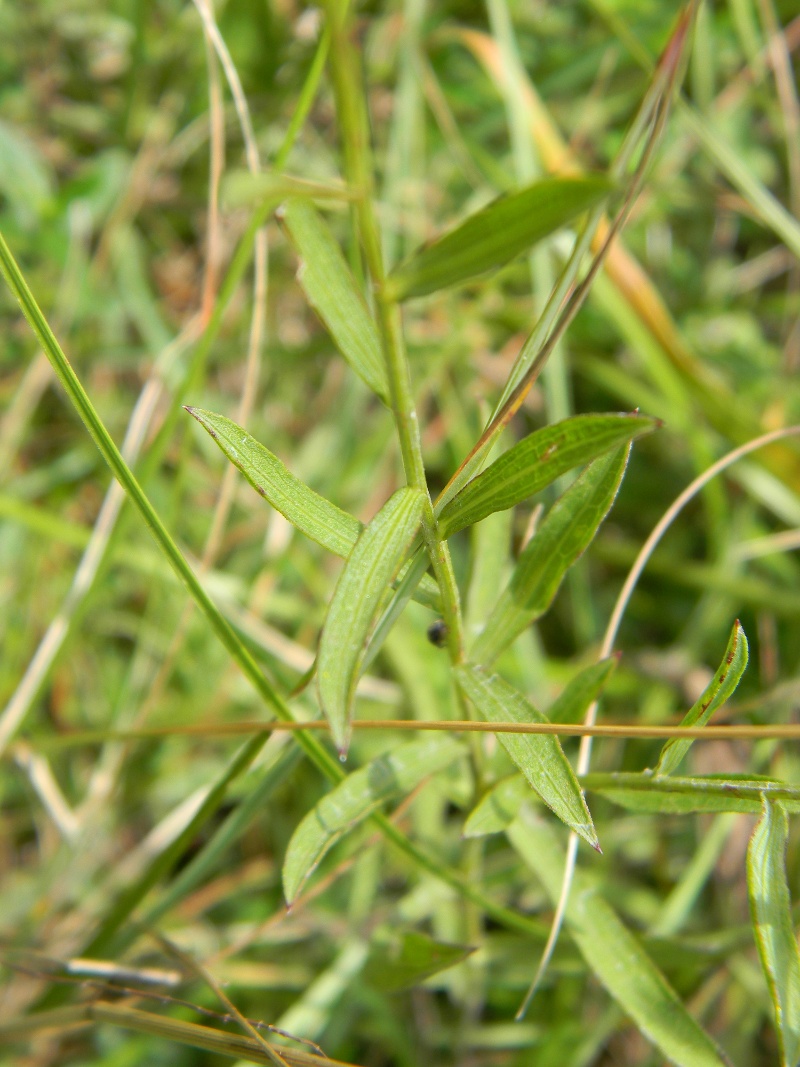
(352, 114)
(351, 111)
(122, 472)
(316, 752)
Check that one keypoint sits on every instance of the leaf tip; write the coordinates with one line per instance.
(673, 51)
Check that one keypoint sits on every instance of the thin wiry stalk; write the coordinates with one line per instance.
(71, 972)
(352, 116)
(193, 966)
(566, 298)
(622, 730)
(772, 213)
(145, 1022)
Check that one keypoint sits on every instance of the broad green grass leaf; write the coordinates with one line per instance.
(771, 908)
(668, 795)
(401, 959)
(498, 808)
(370, 567)
(536, 462)
(361, 793)
(716, 693)
(572, 702)
(538, 756)
(615, 955)
(327, 282)
(564, 535)
(495, 235)
(307, 511)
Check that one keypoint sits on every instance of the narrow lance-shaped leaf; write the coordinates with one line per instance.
(671, 795)
(615, 955)
(361, 793)
(580, 691)
(332, 292)
(538, 756)
(536, 462)
(495, 235)
(307, 511)
(402, 959)
(771, 909)
(719, 689)
(371, 566)
(497, 808)
(564, 535)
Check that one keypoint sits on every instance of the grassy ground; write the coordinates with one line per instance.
(125, 199)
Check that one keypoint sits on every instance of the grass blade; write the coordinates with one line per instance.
(716, 693)
(331, 290)
(124, 906)
(771, 909)
(564, 535)
(669, 795)
(536, 462)
(615, 955)
(212, 853)
(495, 235)
(371, 566)
(119, 468)
(538, 756)
(361, 793)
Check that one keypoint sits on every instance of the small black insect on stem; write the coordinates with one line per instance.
(437, 633)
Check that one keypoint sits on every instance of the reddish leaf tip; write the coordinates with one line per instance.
(671, 55)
